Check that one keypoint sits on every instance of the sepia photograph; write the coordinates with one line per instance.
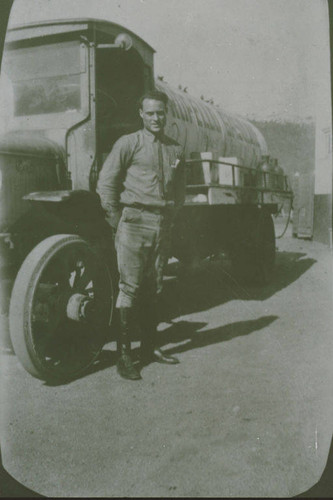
(166, 248)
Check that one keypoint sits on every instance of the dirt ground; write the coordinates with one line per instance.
(247, 412)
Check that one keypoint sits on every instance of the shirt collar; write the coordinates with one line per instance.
(151, 137)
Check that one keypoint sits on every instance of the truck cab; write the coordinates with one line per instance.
(74, 89)
(76, 84)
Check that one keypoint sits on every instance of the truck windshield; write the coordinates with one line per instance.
(45, 79)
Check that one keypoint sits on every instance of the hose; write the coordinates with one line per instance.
(287, 223)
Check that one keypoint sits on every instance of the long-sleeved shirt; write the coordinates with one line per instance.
(142, 170)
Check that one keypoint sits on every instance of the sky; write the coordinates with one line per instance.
(258, 58)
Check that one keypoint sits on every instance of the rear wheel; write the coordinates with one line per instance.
(253, 249)
(61, 308)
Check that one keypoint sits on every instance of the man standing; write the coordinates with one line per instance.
(142, 186)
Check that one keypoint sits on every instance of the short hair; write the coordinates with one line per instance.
(155, 95)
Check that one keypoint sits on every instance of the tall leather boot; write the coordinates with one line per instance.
(125, 366)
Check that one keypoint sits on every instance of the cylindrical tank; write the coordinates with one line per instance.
(272, 168)
(279, 175)
(264, 178)
(202, 127)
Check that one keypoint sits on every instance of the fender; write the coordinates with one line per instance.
(82, 197)
(56, 212)
(79, 210)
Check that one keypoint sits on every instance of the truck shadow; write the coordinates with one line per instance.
(213, 284)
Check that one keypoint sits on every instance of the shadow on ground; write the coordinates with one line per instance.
(188, 332)
(106, 359)
(185, 333)
(213, 284)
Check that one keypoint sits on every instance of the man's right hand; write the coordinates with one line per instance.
(113, 219)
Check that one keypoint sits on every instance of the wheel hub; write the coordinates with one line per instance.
(79, 307)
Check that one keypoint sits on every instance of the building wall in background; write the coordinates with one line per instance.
(323, 179)
(294, 144)
(304, 151)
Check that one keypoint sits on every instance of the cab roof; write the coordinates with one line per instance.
(62, 26)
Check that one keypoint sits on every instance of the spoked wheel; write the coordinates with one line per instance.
(61, 308)
(253, 250)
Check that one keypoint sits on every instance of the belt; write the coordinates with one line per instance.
(152, 209)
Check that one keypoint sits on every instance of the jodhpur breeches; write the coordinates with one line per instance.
(142, 243)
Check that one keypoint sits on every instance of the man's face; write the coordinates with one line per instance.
(153, 114)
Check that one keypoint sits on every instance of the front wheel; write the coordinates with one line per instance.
(61, 308)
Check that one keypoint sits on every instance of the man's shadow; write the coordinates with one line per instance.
(189, 335)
